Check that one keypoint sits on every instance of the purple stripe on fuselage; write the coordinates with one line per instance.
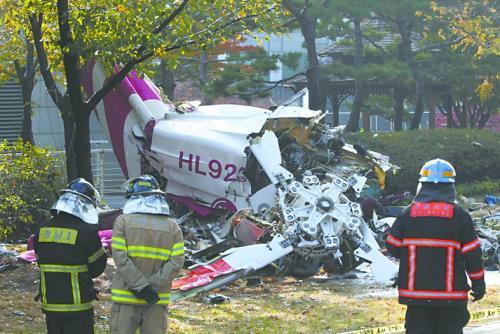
(145, 91)
(117, 108)
(131, 84)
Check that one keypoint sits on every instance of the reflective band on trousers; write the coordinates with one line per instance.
(128, 297)
(67, 307)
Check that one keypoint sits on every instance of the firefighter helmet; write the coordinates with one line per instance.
(79, 199)
(83, 188)
(144, 185)
(437, 171)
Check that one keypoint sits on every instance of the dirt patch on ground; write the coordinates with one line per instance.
(24, 278)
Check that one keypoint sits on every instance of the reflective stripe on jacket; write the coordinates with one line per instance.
(438, 247)
(147, 250)
(69, 254)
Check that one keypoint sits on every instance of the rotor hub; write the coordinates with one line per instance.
(325, 204)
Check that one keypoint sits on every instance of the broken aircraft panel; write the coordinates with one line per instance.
(287, 178)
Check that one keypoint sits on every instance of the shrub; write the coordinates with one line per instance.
(27, 188)
(480, 188)
(474, 153)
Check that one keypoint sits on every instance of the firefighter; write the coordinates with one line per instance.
(437, 245)
(70, 254)
(148, 250)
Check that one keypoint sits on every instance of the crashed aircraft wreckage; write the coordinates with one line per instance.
(268, 187)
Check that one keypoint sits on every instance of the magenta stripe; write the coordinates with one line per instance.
(141, 86)
(117, 108)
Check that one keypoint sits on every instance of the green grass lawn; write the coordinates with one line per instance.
(277, 307)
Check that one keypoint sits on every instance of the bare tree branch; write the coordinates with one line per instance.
(50, 83)
(375, 45)
(274, 84)
(438, 45)
(118, 77)
(171, 17)
(292, 9)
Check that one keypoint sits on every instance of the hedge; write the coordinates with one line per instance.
(474, 153)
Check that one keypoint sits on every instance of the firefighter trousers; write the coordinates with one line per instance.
(126, 319)
(436, 320)
(82, 323)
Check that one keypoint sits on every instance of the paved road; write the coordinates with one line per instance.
(487, 328)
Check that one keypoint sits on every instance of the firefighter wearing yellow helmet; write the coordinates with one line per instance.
(148, 250)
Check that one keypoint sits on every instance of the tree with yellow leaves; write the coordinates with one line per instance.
(477, 22)
(67, 35)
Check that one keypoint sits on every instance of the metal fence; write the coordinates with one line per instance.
(108, 176)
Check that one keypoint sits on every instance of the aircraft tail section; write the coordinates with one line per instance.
(127, 114)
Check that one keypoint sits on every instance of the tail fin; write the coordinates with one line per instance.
(126, 114)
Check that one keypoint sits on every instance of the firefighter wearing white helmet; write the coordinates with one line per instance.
(70, 254)
(437, 171)
(148, 250)
(438, 248)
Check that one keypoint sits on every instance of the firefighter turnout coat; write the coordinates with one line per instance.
(69, 254)
(437, 245)
(148, 249)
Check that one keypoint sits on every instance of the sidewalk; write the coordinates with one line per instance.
(483, 328)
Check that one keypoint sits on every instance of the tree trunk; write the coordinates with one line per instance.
(316, 83)
(353, 124)
(365, 116)
(27, 131)
(27, 83)
(485, 116)
(26, 77)
(432, 117)
(167, 80)
(399, 98)
(203, 77)
(448, 106)
(419, 97)
(462, 114)
(69, 134)
(81, 142)
(62, 102)
(82, 145)
(406, 54)
(335, 110)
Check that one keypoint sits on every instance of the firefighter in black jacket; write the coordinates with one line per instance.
(70, 254)
(437, 245)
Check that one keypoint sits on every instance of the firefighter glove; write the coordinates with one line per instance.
(149, 295)
(478, 289)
